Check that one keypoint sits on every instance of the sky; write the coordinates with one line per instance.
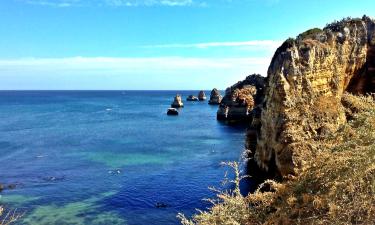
(151, 44)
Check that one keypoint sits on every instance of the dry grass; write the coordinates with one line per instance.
(8, 217)
(245, 95)
(335, 187)
(326, 106)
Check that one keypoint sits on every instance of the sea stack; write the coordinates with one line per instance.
(177, 103)
(191, 98)
(202, 96)
(172, 112)
(215, 97)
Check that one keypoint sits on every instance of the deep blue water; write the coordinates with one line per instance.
(107, 157)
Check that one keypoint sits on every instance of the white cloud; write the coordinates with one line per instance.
(149, 2)
(131, 64)
(58, 3)
(256, 43)
(115, 3)
(127, 73)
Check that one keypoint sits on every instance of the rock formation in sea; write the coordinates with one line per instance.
(240, 100)
(215, 97)
(172, 112)
(303, 92)
(202, 96)
(191, 98)
(177, 102)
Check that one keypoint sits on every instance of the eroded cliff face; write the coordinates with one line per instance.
(305, 83)
(241, 99)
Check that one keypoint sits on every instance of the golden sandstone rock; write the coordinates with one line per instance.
(305, 83)
(240, 99)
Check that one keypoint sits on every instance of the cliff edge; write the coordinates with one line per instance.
(305, 84)
(317, 122)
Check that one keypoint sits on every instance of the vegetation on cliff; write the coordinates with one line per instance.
(336, 185)
(8, 217)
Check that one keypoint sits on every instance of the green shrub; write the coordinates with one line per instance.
(309, 34)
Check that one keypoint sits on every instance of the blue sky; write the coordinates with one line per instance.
(151, 44)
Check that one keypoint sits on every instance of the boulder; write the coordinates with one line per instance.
(172, 112)
(177, 102)
(191, 98)
(215, 97)
(202, 96)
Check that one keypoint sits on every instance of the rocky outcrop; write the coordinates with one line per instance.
(305, 83)
(202, 96)
(241, 99)
(177, 102)
(215, 97)
(172, 112)
(191, 98)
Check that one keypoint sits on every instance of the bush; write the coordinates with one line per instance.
(309, 34)
(9, 217)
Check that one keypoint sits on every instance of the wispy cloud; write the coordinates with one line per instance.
(128, 64)
(127, 73)
(115, 3)
(57, 4)
(256, 43)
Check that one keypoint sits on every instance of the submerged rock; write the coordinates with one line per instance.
(241, 98)
(177, 103)
(215, 97)
(12, 186)
(115, 171)
(53, 178)
(191, 98)
(202, 96)
(172, 112)
(8, 186)
(161, 205)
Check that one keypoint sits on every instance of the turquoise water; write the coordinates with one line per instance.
(108, 157)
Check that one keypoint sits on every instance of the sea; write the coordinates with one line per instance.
(111, 157)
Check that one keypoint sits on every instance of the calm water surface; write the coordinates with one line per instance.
(108, 157)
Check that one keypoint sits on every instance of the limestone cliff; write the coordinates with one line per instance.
(305, 83)
(241, 99)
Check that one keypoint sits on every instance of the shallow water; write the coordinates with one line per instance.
(108, 157)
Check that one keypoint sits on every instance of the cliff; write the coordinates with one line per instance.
(240, 100)
(317, 122)
(337, 185)
(305, 84)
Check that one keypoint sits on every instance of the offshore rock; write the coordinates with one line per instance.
(241, 99)
(305, 84)
(172, 112)
(191, 98)
(215, 97)
(202, 96)
(177, 102)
